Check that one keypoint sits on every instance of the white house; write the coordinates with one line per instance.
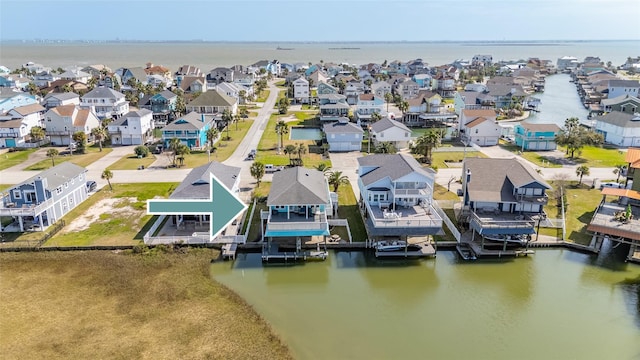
(301, 92)
(368, 104)
(620, 129)
(387, 130)
(15, 125)
(134, 128)
(623, 87)
(105, 102)
(63, 121)
(484, 59)
(567, 63)
(343, 136)
(480, 127)
(76, 75)
(381, 88)
(56, 99)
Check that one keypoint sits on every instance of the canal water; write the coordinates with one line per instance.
(556, 304)
(558, 102)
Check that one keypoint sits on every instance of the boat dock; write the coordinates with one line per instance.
(271, 252)
(229, 251)
(426, 250)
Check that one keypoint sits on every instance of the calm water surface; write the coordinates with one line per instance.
(556, 304)
(559, 102)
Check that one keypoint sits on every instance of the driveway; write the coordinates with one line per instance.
(347, 162)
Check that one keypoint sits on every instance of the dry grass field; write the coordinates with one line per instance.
(104, 305)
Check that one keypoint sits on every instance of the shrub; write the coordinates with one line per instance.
(141, 150)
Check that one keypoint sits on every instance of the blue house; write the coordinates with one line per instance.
(530, 136)
(191, 129)
(10, 99)
(41, 200)
(162, 104)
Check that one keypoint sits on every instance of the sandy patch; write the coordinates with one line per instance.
(104, 206)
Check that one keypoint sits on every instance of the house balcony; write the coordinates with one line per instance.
(535, 199)
(493, 221)
(402, 216)
(418, 193)
(59, 133)
(10, 135)
(604, 221)
(8, 208)
(295, 224)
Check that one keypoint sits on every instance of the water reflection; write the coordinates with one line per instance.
(631, 292)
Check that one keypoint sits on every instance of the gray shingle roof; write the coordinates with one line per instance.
(57, 175)
(62, 96)
(387, 123)
(393, 166)
(191, 121)
(540, 127)
(103, 93)
(342, 128)
(620, 119)
(197, 183)
(298, 186)
(619, 99)
(493, 180)
(624, 83)
(212, 98)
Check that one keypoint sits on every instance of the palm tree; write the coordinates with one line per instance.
(375, 116)
(244, 112)
(181, 151)
(174, 143)
(301, 149)
(335, 179)
(257, 171)
(242, 95)
(403, 106)
(386, 147)
(426, 143)
(619, 170)
(227, 117)
(52, 153)
(212, 134)
(322, 167)
(281, 129)
(236, 119)
(388, 97)
(37, 133)
(290, 150)
(108, 175)
(99, 134)
(582, 171)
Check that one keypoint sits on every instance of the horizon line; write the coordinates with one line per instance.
(313, 41)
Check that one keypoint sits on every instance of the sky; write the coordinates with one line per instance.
(313, 20)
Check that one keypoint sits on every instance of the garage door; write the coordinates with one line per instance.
(532, 145)
(339, 146)
(543, 145)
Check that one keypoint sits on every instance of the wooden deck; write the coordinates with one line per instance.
(272, 253)
(229, 251)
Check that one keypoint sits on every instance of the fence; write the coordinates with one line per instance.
(341, 222)
(454, 230)
(35, 243)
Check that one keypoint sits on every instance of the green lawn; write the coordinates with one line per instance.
(592, 156)
(255, 234)
(263, 96)
(92, 154)
(131, 162)
(124, 224)
(10, 159)
(267, 148)
(348, 209)
(262, 191)
(439, 158)
(440, 193)
(5, 186)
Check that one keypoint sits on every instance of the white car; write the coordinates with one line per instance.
(610, 185)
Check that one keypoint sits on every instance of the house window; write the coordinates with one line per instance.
(17, 194)
(30, 196)
(537, 191)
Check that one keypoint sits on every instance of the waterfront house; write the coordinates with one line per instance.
(14, 81)
(75, 74)
(197, 186)
(535, 136)
(624, 103)
(298, 205)
(213, 103)
(188, 70)
(333, 107)
(192, 84)
(507, 95)
(191, 129)
(301, 91)
(367, 105)
(343, 136)
(57, 99)
(318, 76)
(243, 79)
(43, 199)
(61, 122)
(387, 130)
(10, 99)
(380, 89)
(396, 195)
(134, 128)
(16, 125)
(482, 60)
(480, 127)
(127, 74)
(620, 129)
(567, 63)
(44, 78)
(162, 104)
(219, 75)
(502, 197)
(617, 217)
(407, 89)
(96, 70)
(324, 88)
(233, 90)
(105, 103)
(623, 87)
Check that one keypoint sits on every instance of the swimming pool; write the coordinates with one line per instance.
(300, 133)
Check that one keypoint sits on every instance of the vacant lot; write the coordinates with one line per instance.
(102, 305)
(92, 154)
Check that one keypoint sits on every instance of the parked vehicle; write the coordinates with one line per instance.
(269, 168)
(91, 186)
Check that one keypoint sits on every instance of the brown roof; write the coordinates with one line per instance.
(366, 97)
(15, 123)
(29, 109)
(476, 121)
(81, 118)
(157, 69)
(633, 194)
(64, 110)
(540, 127)
(633, 157)
(479, 112)
(617, 232)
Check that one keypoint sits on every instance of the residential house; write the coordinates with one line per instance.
(66, 85)
(423, 80)
(105, 102)
(35, 68)
(234, 90)
(567, 63)
(380, 89)
(535, 136)
(134, 128)
(318, 76)
(623, 87)
(219, 75)
(96, 70)
(620, 129)
(343, 135)
(213, 102)
(507, 95)
(324, 88)
(333, 107)
(352, 90)
(427, 110)
(407, 89)
(159, 72)
(197, 186)
(396, 195)
(480, 127)
(617, 217)
(162, 104)
(191, 129)
(10, 99)
(481, 60)
(367, 105)
(301, 91)
(45, 78)
(624, 103)
(14, 81)
(127, 74)
(445, 85)
(387, 130)
(57, 99)
(4, 70)
(75, 74)
(502, 197)
(188, 70)
(43, 199)
(298, 205)
(192, 84)
(63, 121)
(243, 79)
(16, 125)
